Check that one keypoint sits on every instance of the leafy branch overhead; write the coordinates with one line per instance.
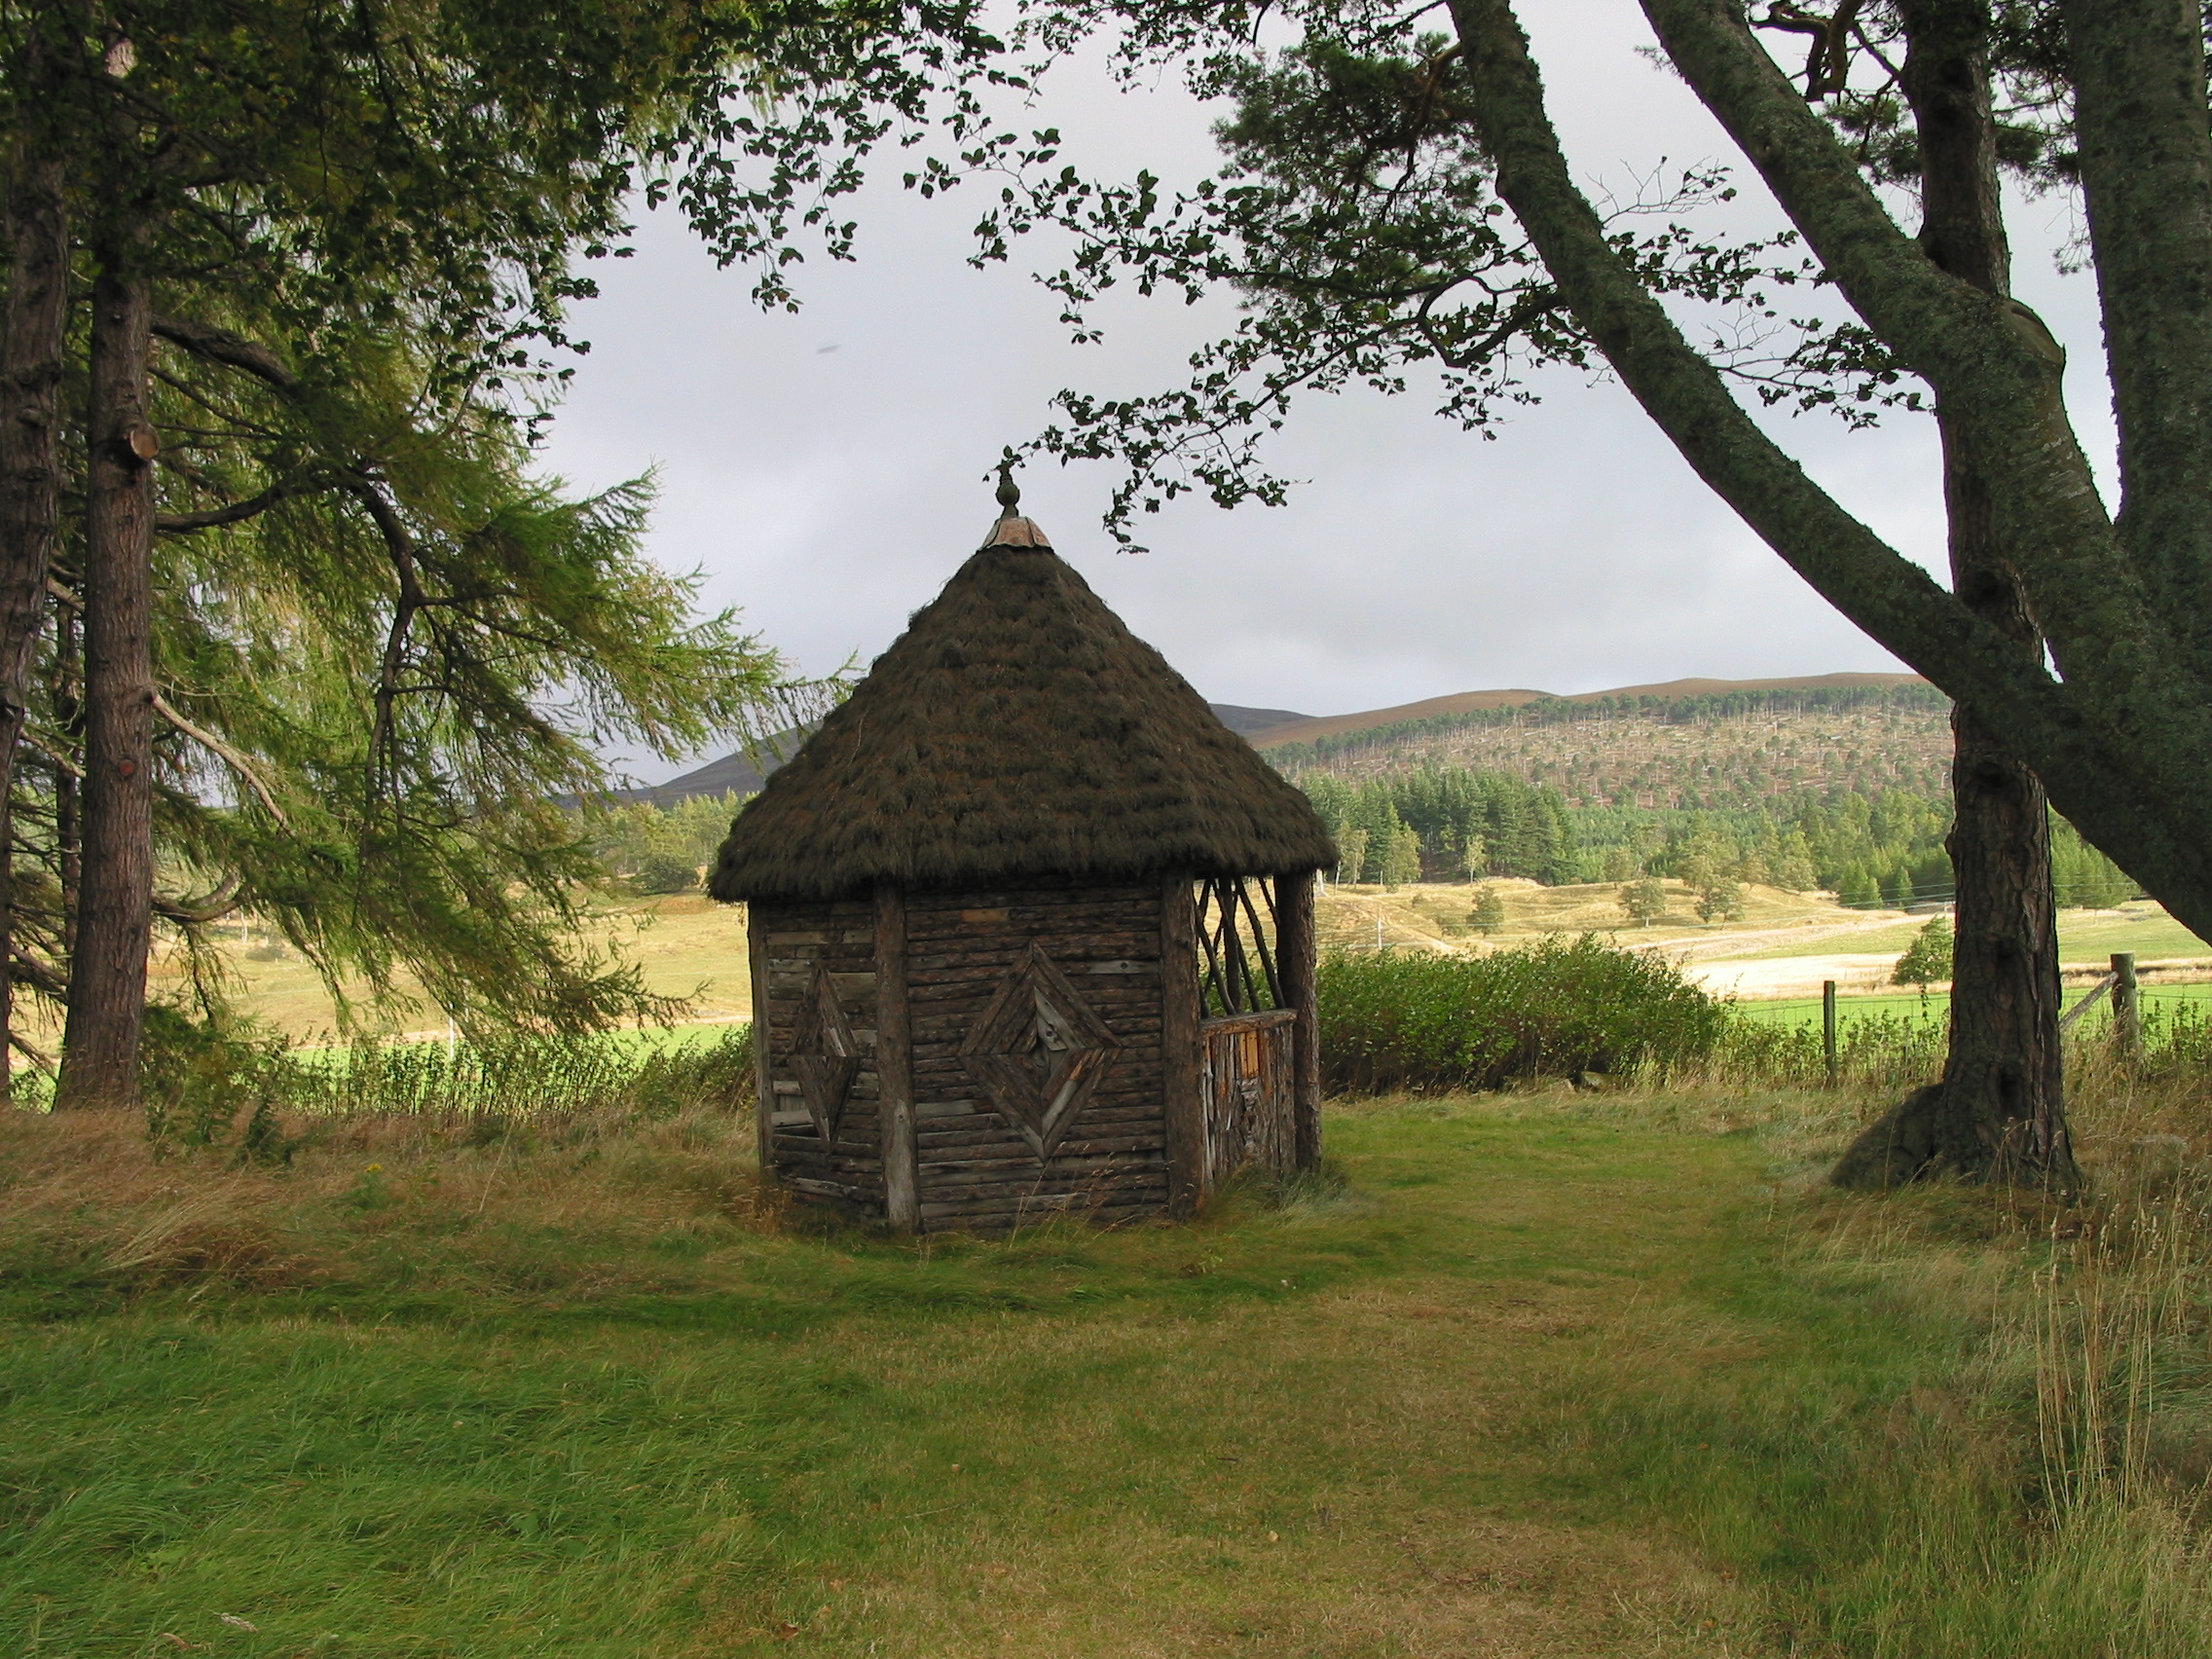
(1376, 176)
(1356, 223)
(335, 251)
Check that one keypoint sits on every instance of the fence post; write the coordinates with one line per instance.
(1827, 1026)
(2126, 1007)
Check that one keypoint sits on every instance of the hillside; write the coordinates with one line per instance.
(1707, 745)
(1463, 729)
(1306, 729)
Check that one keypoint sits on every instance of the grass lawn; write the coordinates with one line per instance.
(1549, 1376)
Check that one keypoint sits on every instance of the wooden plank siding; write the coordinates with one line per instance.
(973, 1167)
(793, 941)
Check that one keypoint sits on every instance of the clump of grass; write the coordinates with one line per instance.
(1558, 1008)
(523, 1077)
(1883, 1049)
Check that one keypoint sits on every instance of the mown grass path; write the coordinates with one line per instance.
(1545, 1383)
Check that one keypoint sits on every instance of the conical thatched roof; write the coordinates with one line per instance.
(1016, 730)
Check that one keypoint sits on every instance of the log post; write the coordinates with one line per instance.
(1828, 1027)
(1179, 1057)
(1295, 964)
(764, 1041)
(2126, 1007)
(895, 1061)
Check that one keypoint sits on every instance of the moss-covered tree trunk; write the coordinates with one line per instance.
(1999, 1111)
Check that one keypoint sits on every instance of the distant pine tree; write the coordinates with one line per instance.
(1400, 859)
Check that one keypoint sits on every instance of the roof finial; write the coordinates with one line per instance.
(1010, 529)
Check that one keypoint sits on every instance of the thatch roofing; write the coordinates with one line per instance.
(1016, 730)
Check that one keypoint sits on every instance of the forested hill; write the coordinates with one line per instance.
(1843, 788)
(1726, 749)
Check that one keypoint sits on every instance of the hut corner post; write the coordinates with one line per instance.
(1295, 957)
(895, 1061)
(764, 1041)
(1179, 1056)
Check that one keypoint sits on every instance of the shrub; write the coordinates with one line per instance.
(1488, 914)
(1553, 1009)
(1929, 957)
(1644, 902)
(665, 872)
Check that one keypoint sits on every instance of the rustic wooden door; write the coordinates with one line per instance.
(1245, 1084)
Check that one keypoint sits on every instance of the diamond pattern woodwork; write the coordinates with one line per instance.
(1038, 1050)
(825, 1054)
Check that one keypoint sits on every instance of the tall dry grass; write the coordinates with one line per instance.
(269, 1169)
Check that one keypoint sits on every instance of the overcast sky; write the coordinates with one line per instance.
(825, 471)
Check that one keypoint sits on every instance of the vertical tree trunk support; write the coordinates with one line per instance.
(108, 983)
(1179, 1058)
(894, 1062)
(1295, 962)
(2126, 1008)
(1999, 1111)
(31, 348)
(763, 1041)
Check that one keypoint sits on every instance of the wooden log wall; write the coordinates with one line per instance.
(790, 940)
(973, 1167)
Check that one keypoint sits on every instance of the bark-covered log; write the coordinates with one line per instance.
(32, 343)
(1999, 1111)
(108, 985)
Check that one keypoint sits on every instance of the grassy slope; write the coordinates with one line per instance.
(1433, 913)
(1548, 1382)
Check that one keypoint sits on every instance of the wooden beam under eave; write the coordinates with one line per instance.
(1179, 1057)
(894, 1062)
(764, 1064)
(1296, 952)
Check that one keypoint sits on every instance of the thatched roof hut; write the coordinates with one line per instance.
(1031, 929)
(1017, 729)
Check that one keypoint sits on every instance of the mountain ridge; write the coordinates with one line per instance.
(1268, 728)
(1307, 730)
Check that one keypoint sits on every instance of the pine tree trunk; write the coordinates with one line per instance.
(107, 981)
(69, 684)
(31, 349)
(1999, 1111)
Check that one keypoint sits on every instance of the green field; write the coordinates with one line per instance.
(1936, 1006)
(1545, 1379)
